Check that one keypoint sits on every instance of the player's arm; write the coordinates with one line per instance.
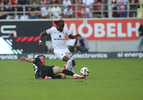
(41, 37)
(26, 59)
(72, 36)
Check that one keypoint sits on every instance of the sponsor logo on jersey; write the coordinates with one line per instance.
(59, 39)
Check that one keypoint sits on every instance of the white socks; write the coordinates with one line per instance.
(69, 66)
(76, 75)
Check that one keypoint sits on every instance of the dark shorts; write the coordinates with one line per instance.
(47, 71)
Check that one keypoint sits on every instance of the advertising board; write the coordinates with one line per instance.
(88, 55)
(109, 29)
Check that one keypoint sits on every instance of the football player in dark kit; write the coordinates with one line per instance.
(49, 72)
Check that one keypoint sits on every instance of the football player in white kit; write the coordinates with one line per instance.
(59, 43)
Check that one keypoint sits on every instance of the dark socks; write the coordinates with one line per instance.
(67, 72)
(57, 77)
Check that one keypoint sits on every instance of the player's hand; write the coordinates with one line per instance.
(22, 59)
(41, 44)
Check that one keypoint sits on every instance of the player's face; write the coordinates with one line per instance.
(42, 58)
(60, 26)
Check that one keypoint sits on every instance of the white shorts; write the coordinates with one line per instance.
(61, 54)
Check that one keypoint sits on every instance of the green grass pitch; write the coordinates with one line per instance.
(109, 79)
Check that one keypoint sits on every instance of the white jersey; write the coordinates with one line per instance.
(58, 38)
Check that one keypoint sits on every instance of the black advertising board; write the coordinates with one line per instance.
(26, 36)
(28, 44)
(24, 28)
(126, 54)
(87, 55)
(20, 45)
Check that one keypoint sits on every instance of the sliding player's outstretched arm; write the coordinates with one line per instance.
(41, 37)
(26, 59)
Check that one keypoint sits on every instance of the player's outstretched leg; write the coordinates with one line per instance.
(57, 70)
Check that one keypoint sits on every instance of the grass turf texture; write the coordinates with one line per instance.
(109, 79)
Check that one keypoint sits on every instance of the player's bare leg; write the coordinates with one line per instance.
(58, 70)
(57, 76)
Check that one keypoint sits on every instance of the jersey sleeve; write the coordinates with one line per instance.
(67, 33)
(36, 59)
(48, 31)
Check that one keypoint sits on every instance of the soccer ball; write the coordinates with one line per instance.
(84, 71)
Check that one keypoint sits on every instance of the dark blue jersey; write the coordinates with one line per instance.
(81, 41)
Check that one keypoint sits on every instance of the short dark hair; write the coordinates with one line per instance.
(40, 56)
(59, 21)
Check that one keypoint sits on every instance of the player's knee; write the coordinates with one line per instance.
(66, 58)
(63, 76)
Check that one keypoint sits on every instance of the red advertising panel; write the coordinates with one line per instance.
(108, 29)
